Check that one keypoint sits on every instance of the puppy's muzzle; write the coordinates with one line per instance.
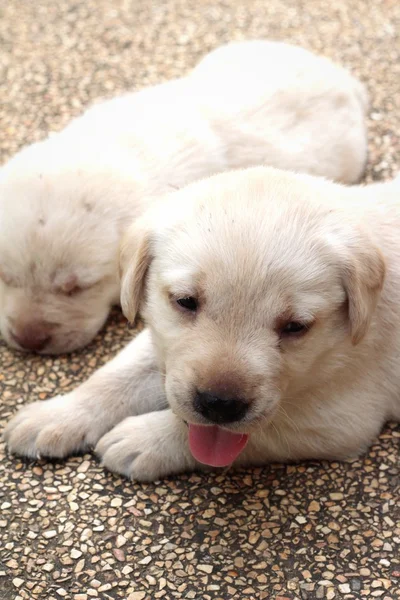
(33, 337)
(219, 410)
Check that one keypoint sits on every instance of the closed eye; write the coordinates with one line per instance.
(74, 291)
(72, 286)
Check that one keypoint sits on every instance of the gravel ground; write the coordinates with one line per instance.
(71, 530)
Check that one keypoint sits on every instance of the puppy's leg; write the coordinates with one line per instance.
(130, 384)
(147, 447)
(154, 445)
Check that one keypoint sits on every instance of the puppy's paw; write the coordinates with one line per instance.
(147, 447)
(54, 428)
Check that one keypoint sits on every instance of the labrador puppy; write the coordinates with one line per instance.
(65, 202)
(271, 301)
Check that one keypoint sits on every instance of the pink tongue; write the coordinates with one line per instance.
(214, 446)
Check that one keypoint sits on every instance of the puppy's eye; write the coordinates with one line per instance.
(293, 329)
(189, 303)
(73, 291)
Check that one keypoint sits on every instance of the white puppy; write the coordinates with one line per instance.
(64, 202)
(271, 301)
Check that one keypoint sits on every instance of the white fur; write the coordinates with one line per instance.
(257, 247)
(65, 202)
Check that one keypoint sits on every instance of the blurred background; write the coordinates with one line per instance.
(56, 57)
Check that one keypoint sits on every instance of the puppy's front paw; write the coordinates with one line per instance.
(147, 447)
(54, 428)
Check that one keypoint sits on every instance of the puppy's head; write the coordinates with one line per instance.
(59, 236)
(256, 286)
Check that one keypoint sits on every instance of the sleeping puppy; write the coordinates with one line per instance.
(65, 202)
(271, 301)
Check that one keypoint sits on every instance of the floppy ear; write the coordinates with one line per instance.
(134, 261)
(363, 278)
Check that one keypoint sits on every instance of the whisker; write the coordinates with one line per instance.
(283, 412)
(280, 438)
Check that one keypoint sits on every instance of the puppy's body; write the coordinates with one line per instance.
(65, 202)
(266, 254)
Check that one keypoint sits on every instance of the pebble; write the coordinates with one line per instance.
(336, 496)
(205, 568)
(120, 541)
(301, 520)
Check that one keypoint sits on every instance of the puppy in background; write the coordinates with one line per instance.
(65, 202)
(272, 306)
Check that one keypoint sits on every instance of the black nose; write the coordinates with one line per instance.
(219, 410)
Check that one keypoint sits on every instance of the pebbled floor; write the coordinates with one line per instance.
(73, 531)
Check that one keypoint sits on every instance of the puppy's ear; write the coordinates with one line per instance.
(134, 261)
(363, 277)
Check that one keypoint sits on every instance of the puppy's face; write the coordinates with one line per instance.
(59, 242)
(254, 294)
(52, 319)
